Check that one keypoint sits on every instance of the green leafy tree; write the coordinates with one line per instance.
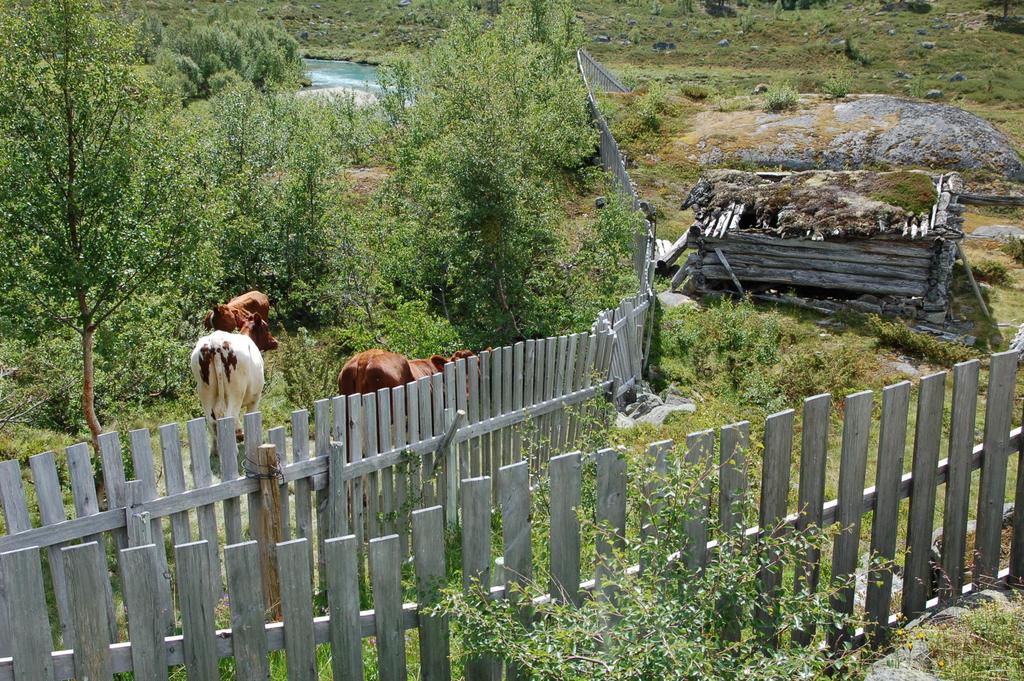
(97, 203)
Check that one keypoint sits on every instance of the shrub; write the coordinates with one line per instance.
(666, 621)
(780, 97)
(1014, 248)
(991, 272)
(898, 336)
(837, 85)
(641, 120)
(854, 54)
(232, 46)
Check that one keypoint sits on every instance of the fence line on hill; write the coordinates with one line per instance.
(399, 449)
(153, 647)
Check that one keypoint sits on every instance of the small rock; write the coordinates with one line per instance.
(891, 31)
(631, 22)
(922, 31)
(626, 42)
(991, 596)
(316, 5)
(837, 41)
(928, 45)
(903, 75)
(759, 89)
(903, 673)
(404, 3)
(623, 421)
(724, 42)
(673, 400)
(933, 94)
(957, 77)
(657, 416)
(670, 300)
(905, 368)
(600, 202)
(304, 35)
(662, 46)
(600, 38)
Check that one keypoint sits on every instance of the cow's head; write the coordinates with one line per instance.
(223, 318)
(258, 330)
(462, 354)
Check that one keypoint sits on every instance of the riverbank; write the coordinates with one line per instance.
(361, 97)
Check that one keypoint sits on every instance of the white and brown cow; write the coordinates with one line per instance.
(228, 369)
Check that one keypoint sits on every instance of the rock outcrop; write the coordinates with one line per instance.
(866, 131)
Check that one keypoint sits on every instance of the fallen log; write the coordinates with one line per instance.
(668, 257)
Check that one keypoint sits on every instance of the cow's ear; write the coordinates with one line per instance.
(438, 361)
(208, 320)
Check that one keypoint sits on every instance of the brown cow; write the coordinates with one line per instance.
(234, 314)
(231, 315)
(369, 371)
(257, 329)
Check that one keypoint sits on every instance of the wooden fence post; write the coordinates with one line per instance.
(778, 449)
(1002, 380)
(917, 575)
(21, 573)
(269, 525)
(813, 452)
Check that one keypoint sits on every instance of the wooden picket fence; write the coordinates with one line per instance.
(155, 644)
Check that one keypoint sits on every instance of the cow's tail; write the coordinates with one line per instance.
(220, 378)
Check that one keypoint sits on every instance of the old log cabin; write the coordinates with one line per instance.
(878, 242)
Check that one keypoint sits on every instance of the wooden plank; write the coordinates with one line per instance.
(778, 448)
(323, 427)
(514, 499)
(1002, 378)
(51, 511)
(279, 438)
(958, 485)
(610, 514)
(507, 393)
(197, 611)
(426, 432)
(343, 600)
(813, 453)
(486, 468)
(202, 476)
(355, 454)
(297, 609)
(370, 450)
(253, 427)
(700, 451)
(829, 280)
(140, 581)
(1016, 570)
(803, 260)
(920, 250)
(300, 452)
(891, 444)
(429, 561)
(518, 386)
(145, 473)
(114, 480)
(473, 415)
(917, 577)
(83, 492)
(227, 447)
(86, 572)
(16, 519)
(387, 477)
(734, 443)
(21, 574)
(566, 486)
(402, 469)
(497, 393)
(386, 575)
(174, 479)
(476, 557)
(245, 594)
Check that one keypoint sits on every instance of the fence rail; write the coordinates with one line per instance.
(155, 644)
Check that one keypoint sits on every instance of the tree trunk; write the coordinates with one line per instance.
(1006, 10)
(88, 383)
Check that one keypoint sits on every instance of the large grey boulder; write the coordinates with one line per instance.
(862, 131)
(658, 415)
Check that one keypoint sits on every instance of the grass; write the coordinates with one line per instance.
(914, 192)
(986, 643)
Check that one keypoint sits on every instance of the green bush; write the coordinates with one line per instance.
(666, 621)
(897, 336)
(837, 85)
(232, 46)
(780, 97)
(1014, 247)
(991, 272)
